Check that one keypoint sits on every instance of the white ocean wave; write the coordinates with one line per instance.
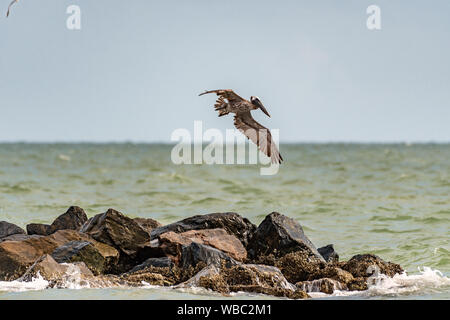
(37, 283)
(427, 281)
(73, 278)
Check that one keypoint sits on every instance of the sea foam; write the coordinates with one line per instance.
(37, 283)
(427, 281)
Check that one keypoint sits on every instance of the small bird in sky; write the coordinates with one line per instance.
(229, 101)
(9, 7)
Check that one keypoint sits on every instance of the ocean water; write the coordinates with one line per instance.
(392, 200)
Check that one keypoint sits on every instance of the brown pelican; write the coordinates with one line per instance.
(9, 7)
(229, 101)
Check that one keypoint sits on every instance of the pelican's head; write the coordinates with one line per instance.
(257, 103)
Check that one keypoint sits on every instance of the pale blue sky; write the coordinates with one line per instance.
(135, 69)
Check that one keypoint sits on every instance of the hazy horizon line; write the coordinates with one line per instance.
(105, 142)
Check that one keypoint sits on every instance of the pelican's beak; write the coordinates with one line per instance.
(263, 109)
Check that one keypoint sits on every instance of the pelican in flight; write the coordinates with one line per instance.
(229, 101)
(9, 7)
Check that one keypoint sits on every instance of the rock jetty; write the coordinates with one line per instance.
(222, 252)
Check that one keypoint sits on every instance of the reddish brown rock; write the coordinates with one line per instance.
(51, 270)
(231, 222)
(219, 239)
(171, 243)
(17, 256)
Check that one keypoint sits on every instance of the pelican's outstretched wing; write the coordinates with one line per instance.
(228, 94)
(258, 134)
(9, 7)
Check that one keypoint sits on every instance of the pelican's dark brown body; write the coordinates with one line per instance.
(230, 102)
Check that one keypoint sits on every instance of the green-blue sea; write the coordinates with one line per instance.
(392, 200)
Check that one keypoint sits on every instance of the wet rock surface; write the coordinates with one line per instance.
(222, 252)
(81, 251)
(196, 253)
(325, 285)
(246, 278)
(328, 253)
(52, 271)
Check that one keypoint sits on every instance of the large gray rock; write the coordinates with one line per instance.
(195, 253)
(279, 235)
(231, 222)
(122, 233)
(72, 219)
(117, 230)
(8, 229)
